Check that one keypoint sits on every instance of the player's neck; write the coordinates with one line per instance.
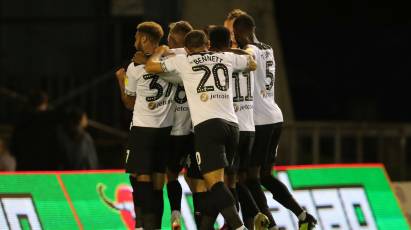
(219, 49)
(149, 48)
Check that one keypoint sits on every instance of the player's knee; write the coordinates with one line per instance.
(143, 178)
(158, 181)
(213, 177)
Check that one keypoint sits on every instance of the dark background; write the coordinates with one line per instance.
(345, 60)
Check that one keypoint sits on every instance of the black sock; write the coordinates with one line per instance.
(235, 196)
(199, 203)
(255, 188)
(281, 194)
(175, 193)
(249, 207)
(209, 213)
(223, 201)
(159, 206)
(137, 203)
(148, 207)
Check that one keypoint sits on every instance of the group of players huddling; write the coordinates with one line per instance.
(205, 103)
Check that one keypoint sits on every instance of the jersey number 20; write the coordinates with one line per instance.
(207, 72)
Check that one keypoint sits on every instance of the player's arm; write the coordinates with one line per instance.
(244, 59)
(244, 63)
(128, 100)
(154, 65)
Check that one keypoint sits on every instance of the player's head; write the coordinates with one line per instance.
(219, 38)
(196, 41)
(148, 34)
(178, 31)
(207, 29)
(244, 27)
(228, 22)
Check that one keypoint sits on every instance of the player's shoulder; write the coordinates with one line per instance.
(178, 51)
(261, 46)
(134, 70)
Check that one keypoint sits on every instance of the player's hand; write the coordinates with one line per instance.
(162, 49)
(252, 64)
(121, 74)
(139, 58)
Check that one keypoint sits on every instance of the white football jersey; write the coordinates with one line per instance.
(266, 110)
(182, 119)
(207, 79)
(243, 91)
(154, 105)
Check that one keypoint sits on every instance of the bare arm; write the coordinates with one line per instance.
(153, 63)
(128, 101)
(251, 63)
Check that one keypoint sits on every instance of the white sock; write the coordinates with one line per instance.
(302, 216)
(241, 228)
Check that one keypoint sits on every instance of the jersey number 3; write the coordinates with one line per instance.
(155, 85)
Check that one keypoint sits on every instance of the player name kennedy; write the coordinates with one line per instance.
(206, 58)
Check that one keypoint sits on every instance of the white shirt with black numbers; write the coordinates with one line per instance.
(207, 78)
(182, 124)
(266, 110)
(154, 105)
(243, 96)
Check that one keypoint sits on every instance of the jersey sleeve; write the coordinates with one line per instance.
(130, 82)
(172, 64)
(239, 62)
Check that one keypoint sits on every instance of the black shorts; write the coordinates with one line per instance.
(192, 168)
(216, 142)
(181, 148)
(265, 145)
(243, 154)
(147, 150)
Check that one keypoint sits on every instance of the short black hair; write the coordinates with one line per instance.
(180, 27)
(195, 39)
(219, 37)
(244, 23)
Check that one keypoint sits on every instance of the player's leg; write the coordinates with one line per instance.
(138, 162)
(175, 163)
(160, 157)
(278, 189)
(211, 140)
(137, 203)
(263, 134)
(196, 183)
(249, 207)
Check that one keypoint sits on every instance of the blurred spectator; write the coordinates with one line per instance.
(34, 142)
(76, 144)
(7, 161)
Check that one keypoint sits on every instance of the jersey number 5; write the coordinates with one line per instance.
(269, 75)
(207, 72)
(155, 85)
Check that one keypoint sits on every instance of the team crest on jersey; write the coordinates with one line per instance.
(264, 93)
(152, 105)
(204, 97)
(236, 107)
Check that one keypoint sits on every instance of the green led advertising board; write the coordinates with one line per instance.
(340, 196)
